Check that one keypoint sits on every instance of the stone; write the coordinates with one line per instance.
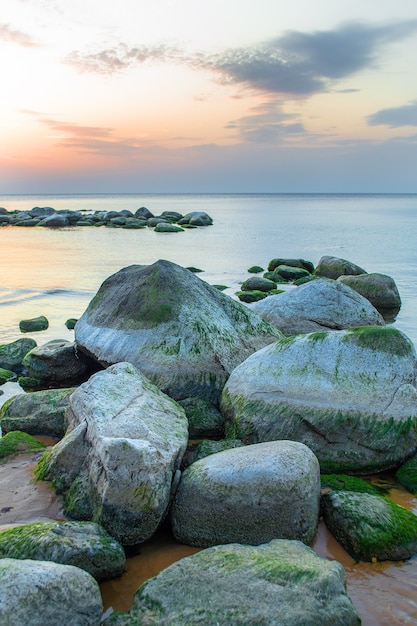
(379, 289)
(34, 324)
(258, 283)
(281, 582)
(321, 304)
(183, 334)
(6, 376)
(333, 267)
(204, 420)
(255, 269)
(37, 413)
(197, 218)
(120, 456)
(249, 495)
(143, 212)
(370, 527)
(167, 227)
(349, 395)
(70, 323)
(55, 221)
(42, 211)
(306, 265)
(251, 296)
(205, 447)
(57, 360)
(83, 544)
(291, 273)
(16, 442)
(36, 593)
(406, 475)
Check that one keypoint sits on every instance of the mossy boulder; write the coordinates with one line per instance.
(35, 593)
(370, 527)
(290, 273)
(121, 453)
(16, 442)
(349, 395)
(183, 334)
(255, 269)
(321, 304)
(250, 495)
(168, 227)
(333, 267)
(204, 419)
(379, 289)
(281, 582)
(56, 361)
(6, 376)
(301, 263)
(37, 413)
(82, 544)
(196, 218)
(344, 482)
(34, 324)
(257, 283)
(407, 474)
(70, 323)
(251, 296)
(11, 354)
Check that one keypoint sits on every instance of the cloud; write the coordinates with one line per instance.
(267, 123)
(394, 117)
(17, 37)
(295, 64)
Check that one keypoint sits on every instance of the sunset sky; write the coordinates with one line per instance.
(221, 96)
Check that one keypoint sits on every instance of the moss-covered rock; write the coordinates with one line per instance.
(57, 361)
(34, 324)
(301, 263)
(343, 482)
(11, 354)
(15, 442)
(6, 376)
(379, 289)
(82, 544)
(167, 227)
(251, 296)
(291, 273)
(255, 269)
(200, 450)
(281, 582)
(257, 283)
(333, 267)
(204, 420)
(407, 474)
(370, 527)
(70, 323)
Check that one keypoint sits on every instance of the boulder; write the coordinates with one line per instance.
(6, 376)
(42, 211)
(183, 334)
(35, 593)
(143, 212)
(56, 361)
(321, 304)
(82, 544)
(281, 582)
(306, 265)
(333, 267)
(258, 283)
(119, 459)
(249, 495)
(369, 527)
(291, 273)
(34, 324)
(251, 296)
(37, 413)
(197, 218)
(349, 395)
(55, 221)
(379, 289)
(167, 227)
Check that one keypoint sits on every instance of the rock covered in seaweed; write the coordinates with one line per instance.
(183, 334)
(379, 289)
(349, 395)
(333, 267)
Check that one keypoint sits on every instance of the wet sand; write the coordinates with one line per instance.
(384, 594)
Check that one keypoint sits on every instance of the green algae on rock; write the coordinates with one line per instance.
(407, 475)
(34, 324)
(16, 442)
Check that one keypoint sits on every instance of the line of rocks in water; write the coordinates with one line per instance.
(177, 355)
(168, 221)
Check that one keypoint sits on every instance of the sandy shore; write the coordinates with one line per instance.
(23, 499)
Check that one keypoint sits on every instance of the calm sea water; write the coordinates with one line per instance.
(56, 273)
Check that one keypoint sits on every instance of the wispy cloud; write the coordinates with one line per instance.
(394, 117)
(267, 123)
(295, 64)
(17, 37)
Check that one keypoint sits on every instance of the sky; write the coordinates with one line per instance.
(223, 96)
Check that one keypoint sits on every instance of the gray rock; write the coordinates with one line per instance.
(129, 439)
(36, 593)
(258, 283)
(349, 395)
(167, 227)
(34, 324)
(379, 289)
(55, 221)
(306, 265)
(282, 582)
(183, 334)
(57, 360)
(321, 304)
(370, 527)
(205, 447)
(197, 218)
(144, 212)
(82, 544)
(41, 211)
(11, 354)
(204, 420)
(333, 267)
(249, 495)
(37, 413)
(291, 273)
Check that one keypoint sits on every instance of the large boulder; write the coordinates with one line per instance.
(56, 361)
(249, 495)
(183, 334)
(82, 544)
(370, 527)
(37, 413)
(36, 593)
(121, 454)
(321, 304)
(333, 267)
(349, 395)
(379, 289)
(281, 582)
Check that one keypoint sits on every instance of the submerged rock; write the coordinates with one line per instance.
(406, 475)
(281, 582)
(36, 593)
(82, 544)
(183, 334)
(34, 324)
(249, 495)
(349, 395)
(321, 304)
(118, 461)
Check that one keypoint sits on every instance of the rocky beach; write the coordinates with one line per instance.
(157, 428)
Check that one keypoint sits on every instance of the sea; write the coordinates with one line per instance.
(56, 273)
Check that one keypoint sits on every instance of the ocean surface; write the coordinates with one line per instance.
(56, 273)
